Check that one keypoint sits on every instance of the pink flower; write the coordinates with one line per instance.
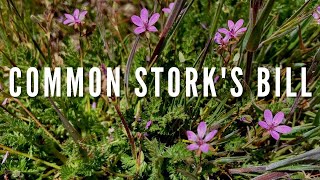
(76, 18)
(235, 29)
(169, 9)
(223, 41)
(148, 124)
(200, 140)
(316, 15)
(144, 23)
(272, 124)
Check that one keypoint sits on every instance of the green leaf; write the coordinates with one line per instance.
(255, 35)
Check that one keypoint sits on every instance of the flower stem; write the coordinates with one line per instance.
(73, 132)
(80, 49)
(128, 131)
(128, 65)
(12, 151)
(214, 23)
(250, 56)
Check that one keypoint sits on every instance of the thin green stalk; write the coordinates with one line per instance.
(71, 130)
(128, 66)
(250, 58)
(214, 23)
(12, 151)
(25, 27)
(169, 24)
(128, 131)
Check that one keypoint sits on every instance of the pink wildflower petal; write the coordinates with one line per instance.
(318, 9)
(68, 21)
(137, 20)
(171, 6)
(154, 18)
(166, 10)
(278, 118)
(71, 24)
(144, 15)
(268, 116)
(139, 30)
(316, 15)
(226, 39)
(218, 41)
(204, 148)
(82, 15)
(275, 135)
(242, 30)
(223, 30)
(230, 24)
(202, 129)
(283, 129)
(76, 13)
(5, 101)
(263, 124)
(238, 25)
(192, 147)
(218, 38)
(152, 29)
(210, 135)
(69, 16)
(192, 136)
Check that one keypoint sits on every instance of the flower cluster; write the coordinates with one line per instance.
(146, 24)
(271, 124)
(234, 32)
(199, 141)
(143, 22)
(316, 15)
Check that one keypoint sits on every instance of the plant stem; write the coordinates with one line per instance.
(73, 132)
(128, 65)
(250, 56)
(169, 24)
(128, 131)
(12, 151)
(80, 44)
(214, 23)
(69, 127)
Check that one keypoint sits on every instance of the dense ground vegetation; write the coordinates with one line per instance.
(149, 138)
